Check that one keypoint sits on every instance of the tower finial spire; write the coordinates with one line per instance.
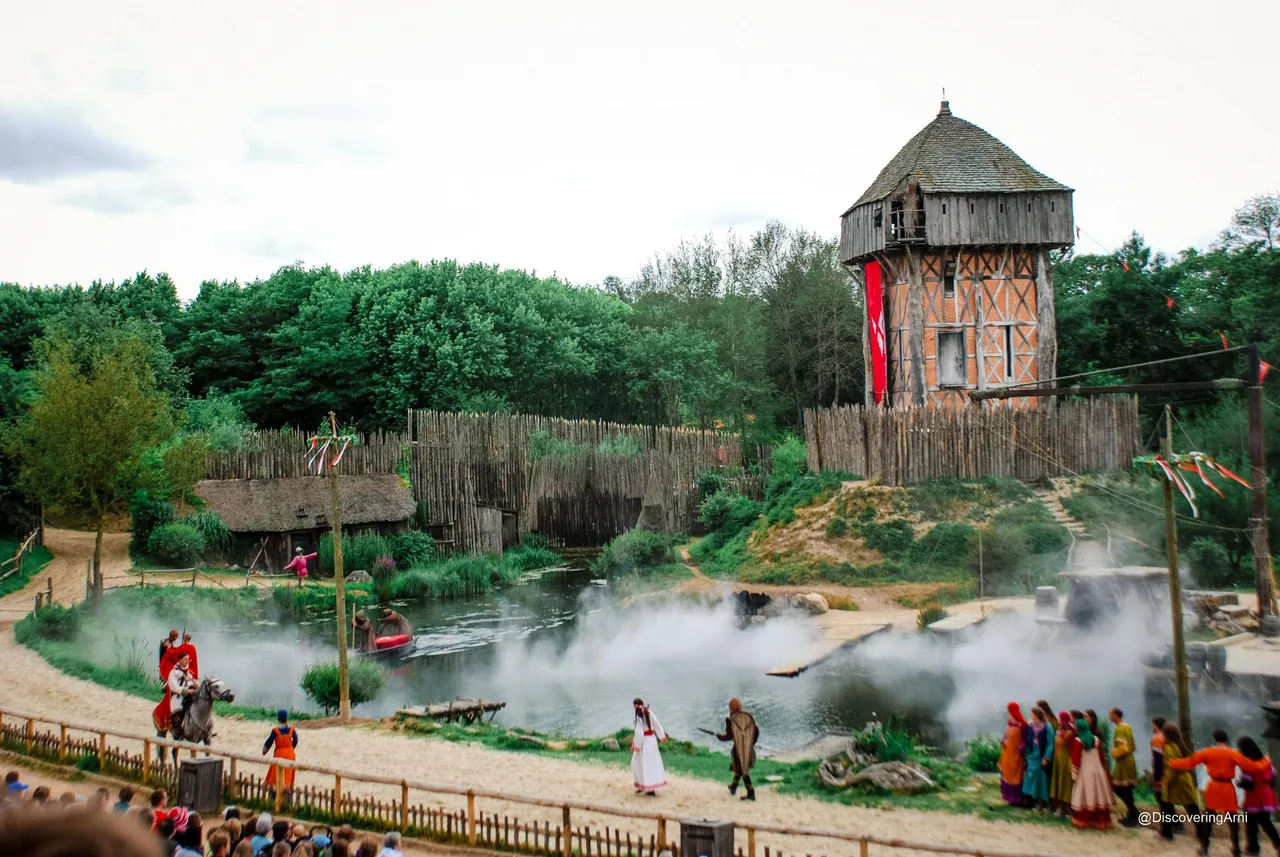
(945, 110)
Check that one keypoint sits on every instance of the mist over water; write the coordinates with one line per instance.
(567, 660)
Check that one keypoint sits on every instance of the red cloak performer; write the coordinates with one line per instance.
(161, 715)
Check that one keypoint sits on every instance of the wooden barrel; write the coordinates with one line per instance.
(1216, 658)
(1046, 597)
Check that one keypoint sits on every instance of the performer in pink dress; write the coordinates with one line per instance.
(299, 564)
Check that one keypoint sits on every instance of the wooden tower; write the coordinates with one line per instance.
(951, 246)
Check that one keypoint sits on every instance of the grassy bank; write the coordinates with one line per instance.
(34, 561)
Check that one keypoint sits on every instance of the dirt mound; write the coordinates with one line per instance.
(810, 533)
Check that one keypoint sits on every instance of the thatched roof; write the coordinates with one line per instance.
(950, 155)
(302, 503)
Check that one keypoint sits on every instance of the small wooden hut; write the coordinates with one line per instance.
(951, 245)
(271, 517)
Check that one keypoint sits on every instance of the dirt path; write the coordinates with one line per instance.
(72, 550)
(28, 684)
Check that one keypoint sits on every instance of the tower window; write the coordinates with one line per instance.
(971, 208)
(1008, 351)
(944, 208)
(1002, 208)
(1028, 206)
(949, 279)
(951, 371)
(1053, 206)
(878, 217)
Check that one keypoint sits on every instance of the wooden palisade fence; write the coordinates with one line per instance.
(549, 826)
(906, 445)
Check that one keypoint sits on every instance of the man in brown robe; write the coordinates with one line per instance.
(393, 624)
(364, 635)
(740, 728)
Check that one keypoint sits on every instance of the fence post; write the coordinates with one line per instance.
(567, 845)
(234, 791)
(471, 818)
(143, 581)
(62, 742)
(146, 761)
(193, 578)
(88, 579)
(662, 833)
(279, 784)
(102, 752)
(48, 598)
(404, 805)
(337, 795)
(31, 734)
(751, 842)
(862, 848)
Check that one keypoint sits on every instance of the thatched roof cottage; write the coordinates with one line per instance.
(271, 517)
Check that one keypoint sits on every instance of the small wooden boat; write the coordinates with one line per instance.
(396, 644)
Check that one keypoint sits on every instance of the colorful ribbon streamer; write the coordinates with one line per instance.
(1192, 462)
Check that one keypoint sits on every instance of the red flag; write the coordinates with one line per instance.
(1263, 368)
(1168, 302)
(1124, 264)
(876, 333)
(1224, 340)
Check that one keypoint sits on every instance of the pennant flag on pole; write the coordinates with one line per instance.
(1224, 340)
(1263, 368)
(1168, 302)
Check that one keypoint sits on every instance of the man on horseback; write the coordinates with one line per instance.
(181, 685)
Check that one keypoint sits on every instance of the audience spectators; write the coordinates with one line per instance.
(391, 845)
(77, 832)
(123, 798)
(40, 795)
(220, 842)
(13, 786)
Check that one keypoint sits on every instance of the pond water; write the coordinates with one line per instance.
(568, 661)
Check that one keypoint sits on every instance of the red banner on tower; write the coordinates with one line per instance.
(876, 334)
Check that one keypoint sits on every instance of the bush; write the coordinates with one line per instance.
(146, 513)
(618, 444)
(728, 513)
(320, 682)
(893, 538)
(710, 482)
(982, 754)
(177, 544)
(455, 577)
(790, 459)
(947, 545)
(217, 536)
(929, 614)
(358, 552)
(1210, 564)
(56, 622)
(1001, 552)
(531, 555)
(888, 742)
(636, 552)
(412, 548)
(1045, 537)
(838, 528)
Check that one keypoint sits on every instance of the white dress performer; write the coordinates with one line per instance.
(646, 761)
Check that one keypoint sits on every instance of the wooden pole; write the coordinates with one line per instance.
(751, 842)
(1175, 589)
(193, 578)
(31, 734)
(565, 822)
(62, 743)
(102, 751)
(335, 517)
(337, 795)
(48, 598)
(1258, 480)
(404, 807)
(146, 766)
(235, 780)
(471, 818)
(662, 833)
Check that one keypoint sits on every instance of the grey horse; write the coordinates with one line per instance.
(197, 724)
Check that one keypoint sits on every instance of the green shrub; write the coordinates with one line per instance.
(929, 614)
(178, 544)
(790, 459)
(217, 536)
(727, 513)
(146, 513)
(837, 528)
(636, 552)
(56, 622)
(529, 556)
(1046, 537)
(412, 548)
(358, 552)
(1001, 552)
(982, 754)
(543, 444)
(888, 742)
(455, 577)
(1211, 564)
(893, 538)
(1022, 513)
(89, 763)
(946, 545)
(618, 444)
(320, 682)
(710, 482)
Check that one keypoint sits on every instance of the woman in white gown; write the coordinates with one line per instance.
(646, 761)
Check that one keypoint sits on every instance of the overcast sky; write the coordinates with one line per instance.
(220, 141)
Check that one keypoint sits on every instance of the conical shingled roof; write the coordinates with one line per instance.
(950, 155)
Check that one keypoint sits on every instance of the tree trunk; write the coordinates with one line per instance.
(97, 563)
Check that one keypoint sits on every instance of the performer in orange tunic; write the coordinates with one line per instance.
(1220, 762)
(284, 738)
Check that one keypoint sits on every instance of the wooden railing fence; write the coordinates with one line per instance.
(575, 827)
(15, 561)
(906, 445)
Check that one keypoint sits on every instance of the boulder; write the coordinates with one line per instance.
(359, 576)
(610, 743)
(900, 777)
(812, 603)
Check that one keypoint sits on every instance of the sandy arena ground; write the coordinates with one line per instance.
(28, 684)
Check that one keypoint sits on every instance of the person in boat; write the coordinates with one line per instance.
(284, 740)
(740, 728)
(393, 624)
(299, 564)
(168, 643)
(365, 637)
(646, 760)
(179, 685)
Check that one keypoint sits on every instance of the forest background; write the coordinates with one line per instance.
(741, 332)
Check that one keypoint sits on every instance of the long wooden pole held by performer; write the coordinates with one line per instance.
(335, 517)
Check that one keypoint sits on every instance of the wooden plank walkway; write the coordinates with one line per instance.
(839, 629)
